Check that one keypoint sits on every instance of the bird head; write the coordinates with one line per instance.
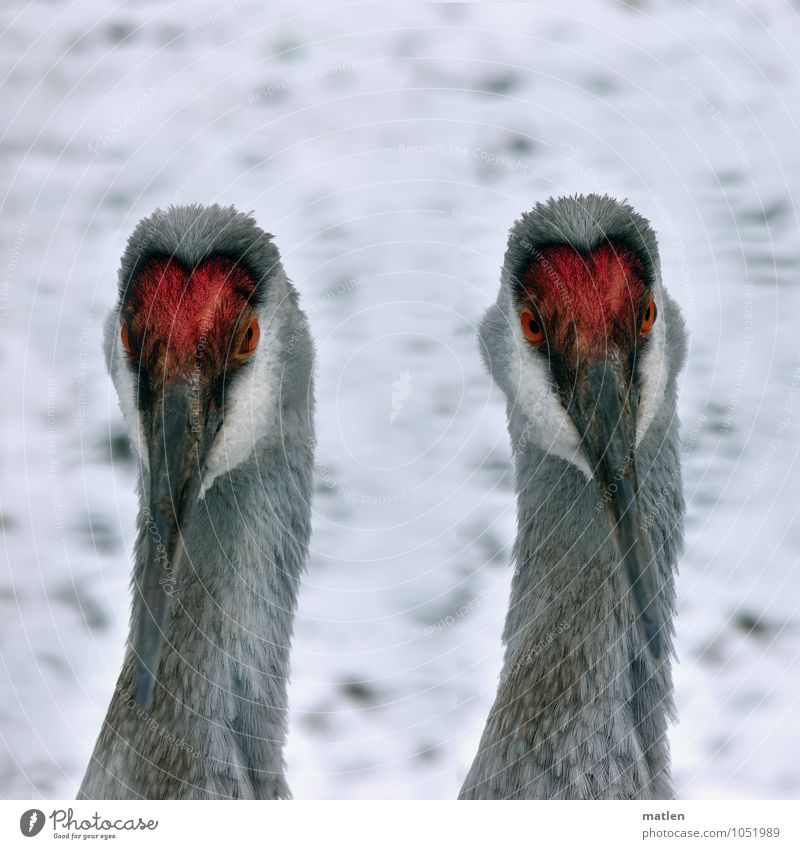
(195, 347)
(577, 342)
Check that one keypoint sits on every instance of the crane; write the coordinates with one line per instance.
(586, 345)
(212, 360)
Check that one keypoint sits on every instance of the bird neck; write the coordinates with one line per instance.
(218, 722)
(581, 708)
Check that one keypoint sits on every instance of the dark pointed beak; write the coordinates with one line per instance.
(603, 406)
(180, 430)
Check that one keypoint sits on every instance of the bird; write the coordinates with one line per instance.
(587, 346)
(212, 360)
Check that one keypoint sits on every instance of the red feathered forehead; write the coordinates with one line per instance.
(179, 317)
(593, 297)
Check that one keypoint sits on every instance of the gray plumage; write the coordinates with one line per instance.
(217, 723)
(582, 708)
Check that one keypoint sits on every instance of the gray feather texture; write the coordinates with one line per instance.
(218, 722)
(582, 709)
(193, 233)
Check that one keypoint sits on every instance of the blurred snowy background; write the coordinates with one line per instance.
(389, 149)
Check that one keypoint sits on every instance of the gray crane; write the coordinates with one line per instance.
(586, 344)
(212, 360)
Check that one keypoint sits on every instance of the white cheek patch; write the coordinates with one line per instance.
(251, 409)
(547, 424)
(124, 382)
(653, 374)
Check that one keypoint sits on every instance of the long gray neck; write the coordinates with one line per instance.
(581, 708)
(218, 722)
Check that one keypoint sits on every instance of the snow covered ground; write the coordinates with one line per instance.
(389, 148)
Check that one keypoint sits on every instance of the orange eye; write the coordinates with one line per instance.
(531, 327)
(649, 317)
(249, 340)
(125, 337)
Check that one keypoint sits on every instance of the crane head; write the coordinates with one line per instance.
(193, 347)
(577, 342)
